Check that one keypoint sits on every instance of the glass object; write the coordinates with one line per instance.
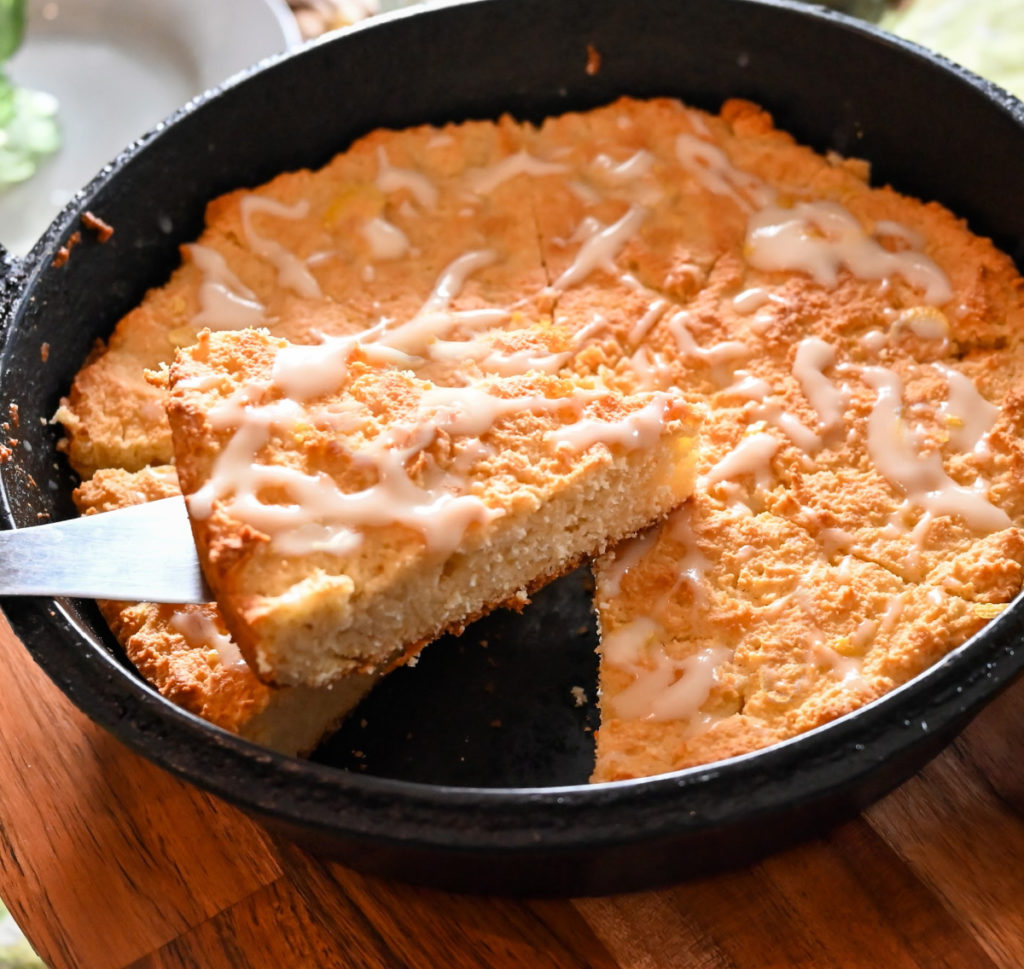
(28, 119)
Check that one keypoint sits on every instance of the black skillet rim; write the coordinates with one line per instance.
(835, 757)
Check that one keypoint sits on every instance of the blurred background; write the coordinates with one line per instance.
(81, 79)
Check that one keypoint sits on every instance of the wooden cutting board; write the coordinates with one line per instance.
(107, 861)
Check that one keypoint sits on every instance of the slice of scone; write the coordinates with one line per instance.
(348, 512)
(723, 632)
(186, 653)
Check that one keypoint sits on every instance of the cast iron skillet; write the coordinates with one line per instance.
(463, 804)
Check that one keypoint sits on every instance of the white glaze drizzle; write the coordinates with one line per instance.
(320, 517)
(597, 325)
(848, 669)
(584, 192)
(893, 611)
(651, 370)
(697, 120)
(937, 597)
(967, 413)
(491, 359)
(200, 632)
(919, 476)
(385, 239)
(772, 412)
(640, 429)
(672, 689)
(864, 633)
(292, 272)
(692, 565)
(749, 386)
(834, 540)
(754, 298)
(721, 357)
(752, 456)
(926, 323)
(305, 371)
(737, 497)
(820, 238)
(716, 173)
(655, 311)
(601, 248)
(918, 538)
(845, 569)
(435, 317)
(588, 227)
(618, 173)
(392, 179)
(888, 227)
(625, 556)
(225, 302)
(625, 646)
(813, 357)
(745, 553)
(483, 181)
(873, 341)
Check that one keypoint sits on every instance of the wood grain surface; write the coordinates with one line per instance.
(107, 861)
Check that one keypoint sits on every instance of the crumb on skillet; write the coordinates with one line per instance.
(93, 222)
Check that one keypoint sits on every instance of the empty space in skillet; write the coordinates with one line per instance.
(509, 703)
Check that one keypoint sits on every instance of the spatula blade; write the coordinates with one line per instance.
(142, 553)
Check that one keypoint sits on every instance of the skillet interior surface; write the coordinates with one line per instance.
(446, 798)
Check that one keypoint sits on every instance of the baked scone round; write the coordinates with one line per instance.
(857, 355)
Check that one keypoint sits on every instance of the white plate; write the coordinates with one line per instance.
(118, 67)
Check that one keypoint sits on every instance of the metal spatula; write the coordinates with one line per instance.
(142, 553)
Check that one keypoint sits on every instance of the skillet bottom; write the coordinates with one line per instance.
(495, 707)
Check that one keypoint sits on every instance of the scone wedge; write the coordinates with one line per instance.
(347, 511)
